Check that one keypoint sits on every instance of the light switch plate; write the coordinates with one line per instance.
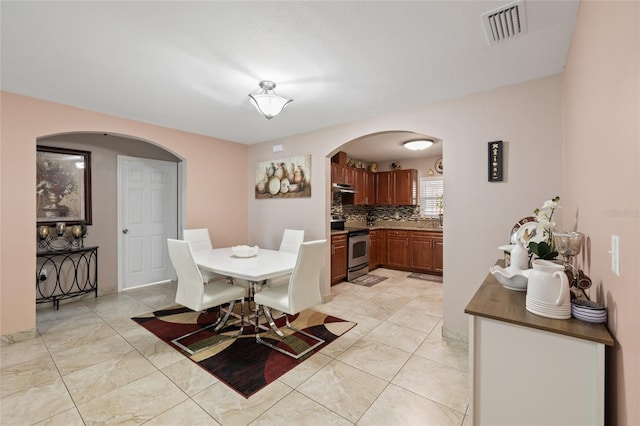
(615, 254)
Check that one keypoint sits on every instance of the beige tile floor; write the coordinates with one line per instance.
(92, 365)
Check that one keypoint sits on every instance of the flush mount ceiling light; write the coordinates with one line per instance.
(267, 102)
(418, 144)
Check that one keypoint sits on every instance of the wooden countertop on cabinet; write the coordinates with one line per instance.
(528, 368)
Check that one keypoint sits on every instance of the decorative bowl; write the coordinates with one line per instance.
(511, 277)
(244, 251)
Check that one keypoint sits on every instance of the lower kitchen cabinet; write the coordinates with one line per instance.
(397, 249)
(426, 251)
(419, 251)
(374, 249)
(438, 255)
(338, 258)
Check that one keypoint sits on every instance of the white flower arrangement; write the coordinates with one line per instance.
(545, 249)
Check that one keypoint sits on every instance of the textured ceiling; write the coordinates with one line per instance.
(191, 65)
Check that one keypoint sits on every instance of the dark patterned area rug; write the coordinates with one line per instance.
(240, 362)
(368, 280)
(426, 277)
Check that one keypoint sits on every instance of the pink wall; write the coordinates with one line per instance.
(213, 166)
(602, 179)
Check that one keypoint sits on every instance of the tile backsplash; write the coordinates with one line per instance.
(378, 213)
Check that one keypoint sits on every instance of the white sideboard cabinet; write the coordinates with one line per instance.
(525, 369)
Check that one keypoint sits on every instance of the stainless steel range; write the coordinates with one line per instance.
(357, 247)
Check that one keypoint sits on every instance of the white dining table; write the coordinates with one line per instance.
(265, 265)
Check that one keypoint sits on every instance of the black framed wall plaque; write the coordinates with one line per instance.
(495, 161)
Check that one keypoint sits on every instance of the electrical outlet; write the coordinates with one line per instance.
(43, 274)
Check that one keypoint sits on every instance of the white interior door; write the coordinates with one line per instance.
(148, 215)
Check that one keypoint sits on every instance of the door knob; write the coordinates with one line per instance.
(125, 231)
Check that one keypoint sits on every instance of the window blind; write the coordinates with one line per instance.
(431, 189)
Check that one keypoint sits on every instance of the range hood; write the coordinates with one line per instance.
(344, 188)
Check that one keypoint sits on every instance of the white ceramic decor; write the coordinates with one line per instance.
(548, 290)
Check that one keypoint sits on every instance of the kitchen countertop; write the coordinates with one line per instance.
(494, 301)
(408, 226)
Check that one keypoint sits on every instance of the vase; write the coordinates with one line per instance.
(519, 256)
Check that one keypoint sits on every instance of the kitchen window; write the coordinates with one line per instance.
(431, 194)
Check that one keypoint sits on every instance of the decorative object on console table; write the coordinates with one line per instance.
(539, 238)
(495, 161)
(63, 185)
(59, 240)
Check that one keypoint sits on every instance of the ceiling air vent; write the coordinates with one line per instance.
(505, 22)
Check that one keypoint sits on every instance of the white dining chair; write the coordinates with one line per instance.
(200, 241)
(192, 294)
(291, 240)
(302, 292)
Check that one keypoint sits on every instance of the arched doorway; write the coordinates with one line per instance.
(381, 152)
(105, 230)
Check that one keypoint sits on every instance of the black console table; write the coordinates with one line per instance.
(61, 274)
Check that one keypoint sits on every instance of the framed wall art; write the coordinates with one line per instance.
(495, 161)
(63, 186)
(284, 178)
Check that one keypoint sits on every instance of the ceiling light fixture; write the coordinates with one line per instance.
(267, 102)
(418, 144)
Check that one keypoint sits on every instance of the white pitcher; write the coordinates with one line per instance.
(548, 283)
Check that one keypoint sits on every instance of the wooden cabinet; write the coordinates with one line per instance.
(397, 249)
(343, 174)
(405, 187)
(371, 188)
(383, 186)
(419, 251)
(349, 175)
(426, 251)
(398, 187)
(338, 173)
(374, 249)
(338, 258)
(362, 183)
(438, 255)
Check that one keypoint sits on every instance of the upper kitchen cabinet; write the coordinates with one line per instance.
(405, 187)
(340, 172)
(383, 186)
(398, 187)
(363, 184)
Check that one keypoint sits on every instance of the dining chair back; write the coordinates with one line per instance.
(304, 284)
(291, 240)
(302, 292)
(195, 295)
(199, 239)
(190, 289)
